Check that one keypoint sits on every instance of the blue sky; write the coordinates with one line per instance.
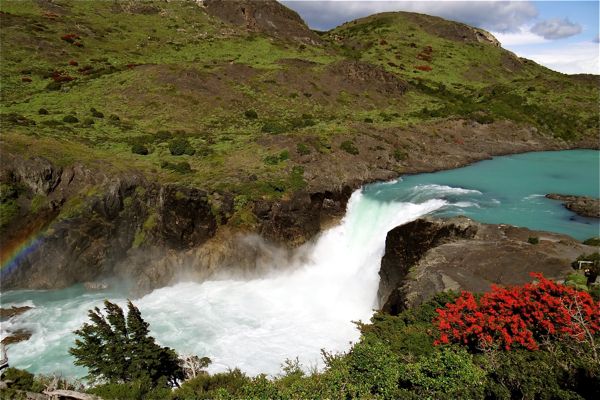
(562, 35)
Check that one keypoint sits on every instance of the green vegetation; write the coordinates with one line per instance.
(349, 147)
(117, 349)
(103, 81)
(138, 148)
(533, 240)
(594, 241)
(396, 357)
(181, 146)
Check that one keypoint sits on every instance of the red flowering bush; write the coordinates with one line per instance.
(70, 37)
(518, 316)
(423, 68)
(60, 76)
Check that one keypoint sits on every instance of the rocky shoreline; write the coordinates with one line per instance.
(581, 205)
(432, 255)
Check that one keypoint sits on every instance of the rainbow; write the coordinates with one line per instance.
(13, 252)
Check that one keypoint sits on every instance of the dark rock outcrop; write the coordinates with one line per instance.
(6, 313)
(581, 205)
(267, 16)
(91, 227)
(430, 255)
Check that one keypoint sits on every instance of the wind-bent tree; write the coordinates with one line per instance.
(118, 349)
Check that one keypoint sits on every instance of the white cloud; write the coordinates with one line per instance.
(500, 16)
(556, 28)
(577, 58)
(521, 37)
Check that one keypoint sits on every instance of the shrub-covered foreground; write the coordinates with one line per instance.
(536, 341)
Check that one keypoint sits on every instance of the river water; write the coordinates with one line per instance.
(299, 310)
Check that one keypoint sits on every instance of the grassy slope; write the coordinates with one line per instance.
(174, 68)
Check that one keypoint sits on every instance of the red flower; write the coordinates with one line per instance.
(423, 68)
(518, 316)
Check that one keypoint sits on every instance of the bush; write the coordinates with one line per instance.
(449, 373)
(52, 86)
(141, 389)
(273, 127)
(43, 111)
(533, 240)
(250, 114)
(349, 147)
(181, 146)
(211, 386)
(70, 119)
(593, 241)
(302, 149)
(139, 149)
(368, 120)
(425, 68)
(96, 113)
(180, 167)
(163, 136)
(520, 316)
(21, 379)
(88, 122)
(399, 155)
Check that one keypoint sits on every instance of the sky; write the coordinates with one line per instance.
(561, 35)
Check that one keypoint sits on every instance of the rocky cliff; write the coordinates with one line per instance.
(431, 255)
(77, 225)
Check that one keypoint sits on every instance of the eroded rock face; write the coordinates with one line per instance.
(430, 255)
(92, 227)
(581, 205)
(266, 16)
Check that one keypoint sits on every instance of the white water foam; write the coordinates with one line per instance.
(256, 324)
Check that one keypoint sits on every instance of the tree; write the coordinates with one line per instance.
(117, 349)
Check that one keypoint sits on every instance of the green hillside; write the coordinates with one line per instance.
(98, 82)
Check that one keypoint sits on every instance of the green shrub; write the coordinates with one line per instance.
(274, 159)
(271, 159)
(579, 281)
(114, 118)
(136, 390)
(447, 373)
(273, 127)
(302, 149)
(88, 122)
(374, 367)
(250, 114)
(43, 111)
(349, 147)
(399, 155)
(20, 379)
(96, 113)
(139, 149)
(180, 167)
(533, 240)
(180, 146)
(53, 86)
(368, 120)
(163, 136)
(593, 241)
(207, 386)
(70, 119)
